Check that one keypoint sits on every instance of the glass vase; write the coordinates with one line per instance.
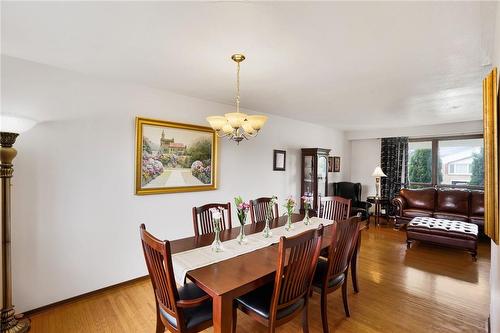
(289, 225)
(267, 231)
(307, 220)
(242, 238)
(217, 244)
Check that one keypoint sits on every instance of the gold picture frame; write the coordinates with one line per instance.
(491, 163)
(173, 157)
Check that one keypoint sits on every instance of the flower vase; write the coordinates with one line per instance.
(267, 231)
(217, 244)
(242, 238)
(289, 225)
(307, 220)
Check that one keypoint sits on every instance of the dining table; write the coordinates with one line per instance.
(236, 276)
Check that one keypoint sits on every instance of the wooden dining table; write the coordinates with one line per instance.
(228, 279)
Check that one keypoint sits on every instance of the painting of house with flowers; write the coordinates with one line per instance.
(174, 157)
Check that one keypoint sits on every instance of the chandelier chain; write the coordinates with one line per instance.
(238, 87)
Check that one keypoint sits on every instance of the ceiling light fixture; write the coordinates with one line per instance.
(237, 126)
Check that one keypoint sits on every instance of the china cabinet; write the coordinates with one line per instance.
(314, 181)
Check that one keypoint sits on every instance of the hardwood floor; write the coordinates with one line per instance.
(425, 289)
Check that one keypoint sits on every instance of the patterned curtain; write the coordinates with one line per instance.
(393, 161)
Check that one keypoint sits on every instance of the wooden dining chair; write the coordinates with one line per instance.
(337, 208)
(334, 208)
(331, 273)
(259, 209)
(202, 218)
(187, 309)
(279, 302)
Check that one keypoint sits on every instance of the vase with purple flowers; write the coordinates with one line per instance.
(242, 208)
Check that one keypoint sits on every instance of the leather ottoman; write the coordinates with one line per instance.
(456, 234)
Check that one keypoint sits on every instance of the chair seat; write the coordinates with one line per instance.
(259, 301)
(192, 316)
(319, 275)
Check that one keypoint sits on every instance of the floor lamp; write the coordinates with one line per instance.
(10, 127)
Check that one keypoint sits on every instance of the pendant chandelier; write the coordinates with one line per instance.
(237, 126)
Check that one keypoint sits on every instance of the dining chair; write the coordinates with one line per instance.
(337, 208)
(334, 208)
(186, 309)
(331, 273)
(202, 218)
(279, 302)
(259, 209)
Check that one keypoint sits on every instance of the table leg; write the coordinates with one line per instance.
(222, 314)
(377, 214)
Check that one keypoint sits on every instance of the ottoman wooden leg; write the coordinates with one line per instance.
(408, 243)
(474, 255)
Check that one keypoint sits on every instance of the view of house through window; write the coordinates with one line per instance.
(462, 162)
(447, 162)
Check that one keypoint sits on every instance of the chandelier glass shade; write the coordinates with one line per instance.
(237, 126)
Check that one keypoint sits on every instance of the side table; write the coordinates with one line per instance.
(378, 202)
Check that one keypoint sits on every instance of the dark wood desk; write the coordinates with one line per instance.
(234, 277)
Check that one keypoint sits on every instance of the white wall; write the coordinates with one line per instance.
(495, 249)
(365, 156)
(75, 216)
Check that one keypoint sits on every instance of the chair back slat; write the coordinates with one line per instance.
(334, 208)
(159, 263)
(341, 249)
(202, 218)
(293, 280)
(259, 209)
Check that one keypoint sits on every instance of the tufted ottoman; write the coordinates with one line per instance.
(457, 234)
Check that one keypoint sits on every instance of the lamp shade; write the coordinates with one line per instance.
(378, 172)
(15, 124)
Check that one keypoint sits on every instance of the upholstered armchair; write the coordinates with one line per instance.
(352, 191)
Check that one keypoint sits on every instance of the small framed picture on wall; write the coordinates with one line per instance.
(330, 163)
(279, 160)
(336, 163)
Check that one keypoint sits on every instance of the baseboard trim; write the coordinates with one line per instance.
(82, 296)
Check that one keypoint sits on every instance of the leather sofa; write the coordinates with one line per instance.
(451, 204)
(352, 191)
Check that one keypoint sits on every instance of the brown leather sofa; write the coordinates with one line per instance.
(451, 204)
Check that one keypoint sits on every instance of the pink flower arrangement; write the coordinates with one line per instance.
(242, 208)
(308, 201)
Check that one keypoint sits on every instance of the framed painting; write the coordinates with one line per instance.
(491, 157)
(279, 160)
(173, 157)
(336, 163)
(330, 163)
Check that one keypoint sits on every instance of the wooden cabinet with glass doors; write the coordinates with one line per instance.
(314, 176)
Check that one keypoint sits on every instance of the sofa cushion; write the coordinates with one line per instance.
(417, 213)
(477, 203)
(453, 201)
(423, 199)
(451, 216)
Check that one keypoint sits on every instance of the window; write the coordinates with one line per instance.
(420, 162)
(451, 162)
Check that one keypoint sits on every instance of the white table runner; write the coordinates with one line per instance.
(203, 256)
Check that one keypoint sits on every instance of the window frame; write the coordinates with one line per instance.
(435, 156)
